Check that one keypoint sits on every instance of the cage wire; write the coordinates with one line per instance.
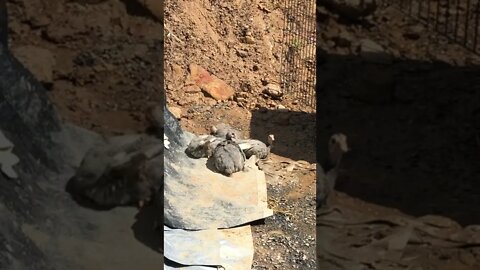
(298, 70)
(458, 20)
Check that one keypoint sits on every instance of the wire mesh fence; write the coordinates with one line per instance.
(458, 20)
(298, 76)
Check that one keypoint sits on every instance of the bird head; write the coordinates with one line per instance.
(337, 145)
(231, 136)
(270, 139)
(213, 130)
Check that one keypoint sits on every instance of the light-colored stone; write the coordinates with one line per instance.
(192, 89)
(273, 90)
(373, 52)
(210, 84)
(242, 53)
(249, 40)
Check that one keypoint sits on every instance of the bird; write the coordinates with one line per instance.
(255, 147)
(228, 158)
(327, 173)
(125, 170)
(203, 146)
(222, 130)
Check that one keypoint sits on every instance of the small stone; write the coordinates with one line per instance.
(240, 99)
(281, 107)
(373, 52)
(192, 89)
(370, 46)
(183, 102)
(211, 102)
(290, 167)
(177, 71)
(176, 111)
(273, 90)
(249, 40)
(242, 53)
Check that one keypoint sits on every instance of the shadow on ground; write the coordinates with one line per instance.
(294, 132)
(413, 128)
(144, 229)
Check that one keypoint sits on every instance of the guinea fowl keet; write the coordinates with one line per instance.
(203, 146)
(327, 173)
(228, 158)
(256, 147)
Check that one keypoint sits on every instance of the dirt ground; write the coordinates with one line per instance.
(409, 187)
(101, 60)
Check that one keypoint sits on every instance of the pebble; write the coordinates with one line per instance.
(273, 90)
(373, 52)
(249, 40)
(242, 53)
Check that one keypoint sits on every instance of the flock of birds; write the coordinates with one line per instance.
(127, 170)
(227, 150)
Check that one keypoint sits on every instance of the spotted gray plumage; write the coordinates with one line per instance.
(203, 146)
(228, 158)
(256, 147)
